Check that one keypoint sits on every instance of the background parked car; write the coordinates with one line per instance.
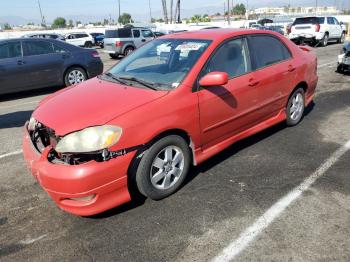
(158, 34)
(50, 36)
(80, 39)
(98, 38)
(274, 28)
(30, 63)
(316, 30)
(344, 58)
(123, 41)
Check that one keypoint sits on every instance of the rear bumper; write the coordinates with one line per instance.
(307, 37)
(95, 68)
(104, 182)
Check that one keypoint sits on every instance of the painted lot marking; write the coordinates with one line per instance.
(235, 247)
(22, 104)
(323, 65)
(11, 154)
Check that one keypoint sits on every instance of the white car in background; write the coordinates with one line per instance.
(80, 39)
(316, 30)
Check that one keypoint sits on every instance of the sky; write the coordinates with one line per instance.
(138, 8)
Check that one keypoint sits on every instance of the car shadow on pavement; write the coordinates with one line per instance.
(29, 93)
(139, 200)
(14, 119)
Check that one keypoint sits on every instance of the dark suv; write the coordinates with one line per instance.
(30, 63)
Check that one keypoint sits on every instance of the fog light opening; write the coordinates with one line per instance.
(82, 199)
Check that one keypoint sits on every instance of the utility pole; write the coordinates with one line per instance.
(118, 10)
(171, 11)
(316, 7)
(247, 11)
(150, 11)
(41, 14)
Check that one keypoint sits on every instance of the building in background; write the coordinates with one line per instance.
(294, 11)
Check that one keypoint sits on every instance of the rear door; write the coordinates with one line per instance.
(11, 67)
(44, 63)
(275, 71)
(332, 27)
(229, 109)
(138, 41)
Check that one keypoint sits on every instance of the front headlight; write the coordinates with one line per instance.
(90, 139)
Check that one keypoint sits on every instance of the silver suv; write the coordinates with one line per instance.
(123, 41)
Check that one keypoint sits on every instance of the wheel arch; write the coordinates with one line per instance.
(128, 45)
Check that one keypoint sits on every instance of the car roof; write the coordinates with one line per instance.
(214, 34)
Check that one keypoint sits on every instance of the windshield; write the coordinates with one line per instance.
(162, 62)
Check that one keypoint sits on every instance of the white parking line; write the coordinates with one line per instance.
(323, 65)
(27, 103)
(247, 236)
(11, 154)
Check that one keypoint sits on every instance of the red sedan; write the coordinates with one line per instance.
(175, 102)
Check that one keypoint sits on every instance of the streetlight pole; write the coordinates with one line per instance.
(150, 11)
(118, 10)
(228, 12)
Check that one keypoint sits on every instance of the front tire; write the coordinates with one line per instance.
(342, 38)
(163, 168)
(324, 41)
(113, 56)
(74, 75)
(295, 107)
(88, 44)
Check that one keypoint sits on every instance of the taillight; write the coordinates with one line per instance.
(118, 43)
(95, 54)
(317, 27)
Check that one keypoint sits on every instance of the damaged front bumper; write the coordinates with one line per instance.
(84, 189)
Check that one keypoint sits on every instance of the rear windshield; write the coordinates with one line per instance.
(119, 33)
(309, 20)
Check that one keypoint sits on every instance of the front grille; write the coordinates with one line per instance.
(43, 137)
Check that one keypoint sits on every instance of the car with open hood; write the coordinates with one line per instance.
(174, 102)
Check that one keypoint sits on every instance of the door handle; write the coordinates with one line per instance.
(143, 40)
(253, 82)
(291, 68)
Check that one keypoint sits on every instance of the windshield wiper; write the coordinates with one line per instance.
(114, 77)
(140, 81)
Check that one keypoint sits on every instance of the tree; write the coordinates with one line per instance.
(105, 21)
(7, 26)
(59, 22)
(238, 9)
(125, 18)
(165, 11)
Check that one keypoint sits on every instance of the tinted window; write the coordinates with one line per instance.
(268, 50)
(147, 33)
(136, 33)
(71, 37)
(10, 50)
(232, 58)
(330, 20)
(309, 20)
(37, 48)
(335, 21)
(58, 49)
(120, 33)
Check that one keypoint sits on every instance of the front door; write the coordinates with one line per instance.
(229, 109)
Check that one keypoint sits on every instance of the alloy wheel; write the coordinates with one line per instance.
(167, 167)
(297, 106)
(75, 77)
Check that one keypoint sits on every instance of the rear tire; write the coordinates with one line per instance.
(295, 107)
(113, 56)
(163, 168)
(128, 50)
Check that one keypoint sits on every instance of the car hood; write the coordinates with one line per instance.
(91, 103)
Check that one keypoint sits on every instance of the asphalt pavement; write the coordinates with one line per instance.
(221, 199)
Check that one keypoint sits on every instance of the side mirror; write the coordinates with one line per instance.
(341, 23)
(214, 79)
